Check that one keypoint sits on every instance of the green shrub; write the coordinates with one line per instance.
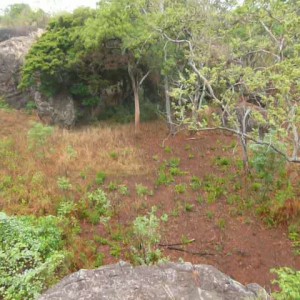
(147, 236)
(100, 178)
(195, 183)
(289, 283)
(174, 162)
(112, 186)
(38, 135)
(64, 183)
(4, 105)
(123, 190)
(31, 255)
(99, 201)
(142, 190)
(180, 188)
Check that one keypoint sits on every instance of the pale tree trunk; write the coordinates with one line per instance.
(135, 83)
(168, 105)
(135, 88)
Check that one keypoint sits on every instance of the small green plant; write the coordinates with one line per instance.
(164, 218)
(191, 156)
(180, 188)
(147, 236)
(115, 250)
(99, 261)
(168, 149)
(66, 208)
(113, 186)
(174, 162)
(188, 207)
(222, 161)
(30, 106)
(123, 190)
(100, 178)
(64, 183)
(38, 136)
(97, 208)
(221, 224)
(210, 215)
(195, 183)
(175, 171)
(294, 236)
(72, 153)
(114, 155)
(200, 199)
(289, 283)
(185, 240)
(4, 105)
(164, 178)
(155, 157)
(142, 190)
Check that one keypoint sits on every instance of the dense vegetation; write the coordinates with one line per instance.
(21, 15)
(204, 65)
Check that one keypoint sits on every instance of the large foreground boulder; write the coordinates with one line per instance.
(170, 281)
(12, 56)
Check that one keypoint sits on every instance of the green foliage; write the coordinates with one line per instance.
(168, 149)
(100, 177)
(289, 283)
(21, 15)
(72, 153)
(195, 183)
(38, 136)
(188, 207)
(142, 190)
(123, 190)
(180, 188)
(100, 203)
(113, 186)
(147, 236)
(96, 207)
(66, 208)
(64, 183)
(50, 62)
(4, 105)
(31, 255)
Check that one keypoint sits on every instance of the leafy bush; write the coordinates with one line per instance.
(146, 232)
(64, 183)
(100, 177)
(97, 208)
(38, 135)
(289, 283)
(3, 104)
(142, 190)
(31, 255)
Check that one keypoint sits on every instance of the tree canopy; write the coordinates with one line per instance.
(215, 64)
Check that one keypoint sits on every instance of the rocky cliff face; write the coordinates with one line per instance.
(55, 110)
(169, 281)
(12, 55)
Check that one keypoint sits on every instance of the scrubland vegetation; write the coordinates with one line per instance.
(213, 180)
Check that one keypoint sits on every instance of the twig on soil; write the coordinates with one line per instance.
(177, 244)
(204, 253)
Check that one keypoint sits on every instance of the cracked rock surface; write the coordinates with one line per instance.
(167, 281)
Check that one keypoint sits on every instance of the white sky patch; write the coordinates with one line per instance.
(51, 6)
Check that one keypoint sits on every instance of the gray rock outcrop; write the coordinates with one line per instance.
(59, 110)
(12, 56)
(169, 281)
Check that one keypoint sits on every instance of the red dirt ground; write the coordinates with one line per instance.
(243, 247)
(246, 249)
